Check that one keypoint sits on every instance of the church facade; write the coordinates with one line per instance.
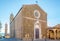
(30, 21)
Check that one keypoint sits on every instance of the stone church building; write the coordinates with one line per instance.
(29, 22)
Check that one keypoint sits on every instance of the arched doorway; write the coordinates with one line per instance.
(37, 30)
(37, 33)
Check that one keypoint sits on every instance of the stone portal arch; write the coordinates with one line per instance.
(37, 30)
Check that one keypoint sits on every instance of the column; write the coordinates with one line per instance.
(58, 33)
(54, 33)
(48, 34)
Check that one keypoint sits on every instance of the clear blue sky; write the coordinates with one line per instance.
(51, 7)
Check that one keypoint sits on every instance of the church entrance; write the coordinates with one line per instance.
(37, 33)
(37, 30)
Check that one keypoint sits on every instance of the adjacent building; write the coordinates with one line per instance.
(53, 32)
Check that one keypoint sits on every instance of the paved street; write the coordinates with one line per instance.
(10, 39)
(14, 39)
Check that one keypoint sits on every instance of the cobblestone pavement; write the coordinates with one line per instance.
(10, 39)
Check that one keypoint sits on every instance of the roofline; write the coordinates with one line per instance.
(17, 14)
